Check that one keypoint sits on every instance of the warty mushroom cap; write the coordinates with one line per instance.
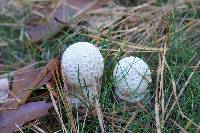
(132, 77)
(82, 63)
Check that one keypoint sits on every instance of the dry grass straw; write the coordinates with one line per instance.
(38, 129)
(65, 100)
(84, 121)
(113, 119)
(124, 30)
(180, 94)
(143, 22)
(57, 111)
(132, 118)
(63, 95)
(182, 130)
(98, 108)
(160, 103)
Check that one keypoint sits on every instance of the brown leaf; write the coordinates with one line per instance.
(46, 74)
(51, 27)
(65, 13)
(21, 84)
(25, 113)
(26, 80)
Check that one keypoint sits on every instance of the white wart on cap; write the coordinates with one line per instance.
(132, 77)
(82, 63)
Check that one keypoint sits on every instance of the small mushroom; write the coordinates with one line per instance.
(4, 88)
(132, 76)
(82, 65)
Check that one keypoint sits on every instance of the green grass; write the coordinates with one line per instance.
(182, 56)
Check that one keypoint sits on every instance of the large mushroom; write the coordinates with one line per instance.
(82, 65)
(132, 77)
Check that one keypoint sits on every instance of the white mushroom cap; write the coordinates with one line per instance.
(82, 63)
(4, 88)
(132, 77)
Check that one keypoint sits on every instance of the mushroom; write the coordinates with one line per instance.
(4, 88)
(82, 65)
(132, 76)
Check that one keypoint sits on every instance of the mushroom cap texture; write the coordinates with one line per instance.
(82, 64)
(132, 76)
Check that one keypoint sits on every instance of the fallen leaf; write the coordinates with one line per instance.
(101, 15)
(26, 80)
(25, 113)
(21, 84)
(46, 74)
(52, 26)
(59, 16)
